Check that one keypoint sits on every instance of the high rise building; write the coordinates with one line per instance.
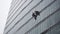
(33, 17)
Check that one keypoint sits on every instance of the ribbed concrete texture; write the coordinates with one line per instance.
(33, 17)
